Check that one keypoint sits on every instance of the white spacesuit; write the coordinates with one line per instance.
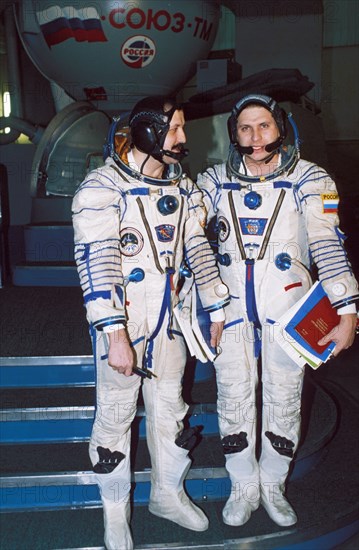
(269, 230)
(132, 234)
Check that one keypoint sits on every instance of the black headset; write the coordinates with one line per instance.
(149, 124)
(279, 115)
(148, 131)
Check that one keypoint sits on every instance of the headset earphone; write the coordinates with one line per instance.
(272, 106)
(149, 130)
(145, 128)
(149, 124)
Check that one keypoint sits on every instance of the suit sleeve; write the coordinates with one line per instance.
(96, 219)
(200, 257)
(319, 198)
(209, 182)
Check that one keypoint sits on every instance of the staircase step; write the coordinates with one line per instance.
(58, 275)
(16, 488)
(45, 242)
(52, 491)
(63, 371)
(66, 424)
(46, 372)
(20, 459)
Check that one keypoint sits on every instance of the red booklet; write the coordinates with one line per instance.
(318, 322)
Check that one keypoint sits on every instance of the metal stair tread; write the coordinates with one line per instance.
(84, 477)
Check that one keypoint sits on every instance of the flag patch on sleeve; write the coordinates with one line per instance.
(330, 203)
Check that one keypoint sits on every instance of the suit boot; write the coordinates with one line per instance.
(168, 498)
(276, 504)
(245, 492)
(115, 495)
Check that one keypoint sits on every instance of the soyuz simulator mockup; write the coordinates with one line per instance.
(114, 53)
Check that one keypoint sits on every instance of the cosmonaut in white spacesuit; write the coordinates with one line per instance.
(275, 213)
(137, 220)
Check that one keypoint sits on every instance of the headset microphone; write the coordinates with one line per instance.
(177, 156)
(245, 150)
(274, 145)
(269, 148)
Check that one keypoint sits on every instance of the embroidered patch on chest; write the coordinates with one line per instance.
(223, 228)
(253, 226)
(165, 232)
(131, 241)
(330, 203)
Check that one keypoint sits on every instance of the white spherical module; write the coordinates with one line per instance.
(115, 53)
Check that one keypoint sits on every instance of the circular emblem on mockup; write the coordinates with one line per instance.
(223, 229)
(138, 52)
(339, 289)
(131, 241)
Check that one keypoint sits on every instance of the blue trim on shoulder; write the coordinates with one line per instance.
(233, 186)
(282, 184)
(160, 191)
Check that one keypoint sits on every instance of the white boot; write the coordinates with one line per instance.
(243, 501)
(117, 530)
(274, 468)
(276, 504)
(177, 507)
(242, 468)
(115, 488)
(168, 498)
(282, 382)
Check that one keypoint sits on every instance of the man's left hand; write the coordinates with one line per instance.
(216, 330)
(343, 334)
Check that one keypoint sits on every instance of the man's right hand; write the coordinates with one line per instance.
(120, 354)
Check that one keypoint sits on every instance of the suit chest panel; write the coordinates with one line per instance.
(253, 215)
(146, 232)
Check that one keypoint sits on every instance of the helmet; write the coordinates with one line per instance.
(149, 124)
(146, 127)
(268, 103)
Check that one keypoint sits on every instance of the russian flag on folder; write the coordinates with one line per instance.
(59, 24)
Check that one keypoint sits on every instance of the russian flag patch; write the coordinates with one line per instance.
(330, 203)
